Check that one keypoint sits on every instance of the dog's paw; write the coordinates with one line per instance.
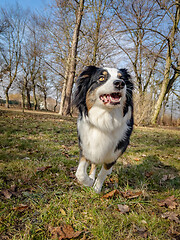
(85, 180)
(92, 176)
(97, 186)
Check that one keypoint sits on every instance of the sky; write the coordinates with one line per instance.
(32, 4)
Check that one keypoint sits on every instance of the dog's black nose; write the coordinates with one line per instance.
(119, 84)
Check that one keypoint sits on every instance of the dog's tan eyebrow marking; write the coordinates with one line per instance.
(104, 73)
(85, 76)
(119, 75)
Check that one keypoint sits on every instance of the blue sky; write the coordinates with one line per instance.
(32, 4)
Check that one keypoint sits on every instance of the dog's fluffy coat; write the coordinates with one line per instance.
(104, 99)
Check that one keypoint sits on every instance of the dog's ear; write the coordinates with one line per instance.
(129, 89)
(127, 78)
(87, 73)
(82, 85)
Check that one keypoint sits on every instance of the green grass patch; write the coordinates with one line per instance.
(38, 189)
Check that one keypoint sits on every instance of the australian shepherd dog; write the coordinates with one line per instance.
(104, 99)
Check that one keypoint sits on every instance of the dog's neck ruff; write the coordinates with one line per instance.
(106, 120)
(100, 132)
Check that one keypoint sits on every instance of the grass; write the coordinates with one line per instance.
(33, 198)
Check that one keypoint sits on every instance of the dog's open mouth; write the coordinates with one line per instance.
(113, 98)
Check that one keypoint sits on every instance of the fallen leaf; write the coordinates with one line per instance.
(7, 194)
(168, 177)
(62, 212)
(164, 178)
(111, 194)
(141, 231)
(129, 194)
(168, 202)
(114, 180)
(21, 207)
(171, 176)
(123, 208)
(143, 222)
(63, 232)
(172, 216)
(13, 188)
(148, 174)
(42, 169)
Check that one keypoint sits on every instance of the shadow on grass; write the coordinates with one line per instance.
(151, 174)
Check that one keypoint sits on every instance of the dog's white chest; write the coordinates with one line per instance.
(100, 134)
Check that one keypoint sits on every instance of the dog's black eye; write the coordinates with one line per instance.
(101, 79)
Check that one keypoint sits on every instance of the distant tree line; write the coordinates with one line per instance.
(42, 53)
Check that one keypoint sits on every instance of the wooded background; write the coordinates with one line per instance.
(42, 53)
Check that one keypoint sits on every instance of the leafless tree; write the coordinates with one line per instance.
(72, 59)
(11, 41)
(94, 33)
(135, 41)
(143, 41)
(172, 8)
(57, 29)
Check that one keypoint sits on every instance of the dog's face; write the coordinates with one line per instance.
(103, 87)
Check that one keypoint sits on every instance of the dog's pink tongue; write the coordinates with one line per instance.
(115, 97)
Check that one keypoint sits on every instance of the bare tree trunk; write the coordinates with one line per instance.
(7, 97)
(23, 101)
(55, 105)
(63, 93)
(34, 94)
(166, 80)
(23, 94)
(45, 101)
(11, 80)
(73, 54)
(28, 98)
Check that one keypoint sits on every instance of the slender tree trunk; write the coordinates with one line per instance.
(8, 87)
(28, 98)
(23, 101)
(7, 98)
(163, 89)
(97, 31)
(34, 95)
(73, 54)
(172, 105)
(45, 101)
(63, 93)
(23, 94)
(166, 80)
(55, 105)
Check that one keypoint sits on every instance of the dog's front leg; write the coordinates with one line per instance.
(100, 178)
(81, 173)
(92, 172)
